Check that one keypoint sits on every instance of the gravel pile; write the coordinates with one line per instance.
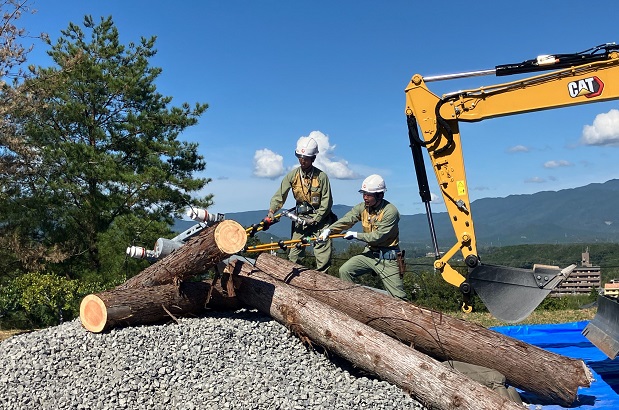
(236, 360)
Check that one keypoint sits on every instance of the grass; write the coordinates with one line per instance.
(535, 318)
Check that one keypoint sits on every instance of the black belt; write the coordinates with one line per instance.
(386, 254)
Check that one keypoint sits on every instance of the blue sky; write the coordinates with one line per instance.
(274, 71)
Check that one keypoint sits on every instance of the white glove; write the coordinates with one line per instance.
(324, 235)
(350, 235)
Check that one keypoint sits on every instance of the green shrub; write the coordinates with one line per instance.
(569, 302)
(432, 292)
(38, 300)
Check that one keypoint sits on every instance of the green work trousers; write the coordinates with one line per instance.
(368, 262)
(322, 250)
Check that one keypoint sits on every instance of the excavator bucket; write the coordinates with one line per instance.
(511, 294)
(603, 329)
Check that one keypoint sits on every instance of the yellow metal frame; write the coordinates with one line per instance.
(560, 88)
(273, 246)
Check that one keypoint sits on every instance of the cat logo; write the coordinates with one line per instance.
(589, 87)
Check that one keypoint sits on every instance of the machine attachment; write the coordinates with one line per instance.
(296, 216)
(433, 124)
(164, 247)
(511, 294)
(139, 252)
(603, 329)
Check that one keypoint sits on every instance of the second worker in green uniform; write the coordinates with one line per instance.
(379, 219)
(312, 192)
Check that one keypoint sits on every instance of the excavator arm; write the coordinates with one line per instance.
(510, 294)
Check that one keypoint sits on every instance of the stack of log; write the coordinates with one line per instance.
(395, 340)
(165, 289)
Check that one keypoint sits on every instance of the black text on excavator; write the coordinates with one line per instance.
(590, 76)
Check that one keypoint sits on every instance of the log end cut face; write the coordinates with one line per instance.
(93, 313)
(230, 237)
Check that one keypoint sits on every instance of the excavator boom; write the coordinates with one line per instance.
(510, 294)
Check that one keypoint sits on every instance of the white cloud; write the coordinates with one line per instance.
(604, 131)
(337, 169)
(268, 164)
(436, 198)
(534, 180)
(518, 148)
(557, 164)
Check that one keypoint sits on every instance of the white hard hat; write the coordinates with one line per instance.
(306, 147)
(373, 184)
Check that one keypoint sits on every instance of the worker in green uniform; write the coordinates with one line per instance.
(381, 255)
(312, 192)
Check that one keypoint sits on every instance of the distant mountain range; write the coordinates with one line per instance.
(578, 215)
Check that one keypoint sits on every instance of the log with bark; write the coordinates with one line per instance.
(433, 384)
(139, 306)
(548, 375)
(198, 255)
(159, 291)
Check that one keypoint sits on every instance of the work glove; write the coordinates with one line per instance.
(324, 235)
(350, 235)
(268, 221)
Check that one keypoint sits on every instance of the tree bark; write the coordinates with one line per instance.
(199, 254)
(546, 374)
(139, 306)
(433, 384)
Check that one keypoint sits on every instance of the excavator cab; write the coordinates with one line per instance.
(510, 294)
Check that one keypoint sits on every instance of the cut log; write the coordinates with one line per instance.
(130, 307)
(433, 384)
(546, 374)
(199, 254)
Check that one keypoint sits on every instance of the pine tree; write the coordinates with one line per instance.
(106, 149)
(14, 152)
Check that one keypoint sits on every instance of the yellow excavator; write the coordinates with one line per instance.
(510, 294)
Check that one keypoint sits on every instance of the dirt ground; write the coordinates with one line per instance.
(5, 334)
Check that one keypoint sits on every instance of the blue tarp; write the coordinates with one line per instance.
(567, 340)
